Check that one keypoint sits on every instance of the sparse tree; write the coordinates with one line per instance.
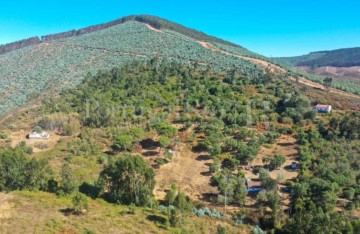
(327, 82)
(80, 202)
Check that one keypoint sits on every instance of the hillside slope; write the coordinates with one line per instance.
(37, 67)
(62, 63)
(343, 65)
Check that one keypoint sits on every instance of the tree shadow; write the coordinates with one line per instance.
(203, 157)
(67, 211)
(206, 173)
(157, 219)
(198, 148)
(285, 144)
(149, 144)
(110, 153)
(150, 153)
(210, 197)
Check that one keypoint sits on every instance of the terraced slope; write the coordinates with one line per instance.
(62, 64)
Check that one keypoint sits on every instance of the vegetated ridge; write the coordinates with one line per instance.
(348, 57)
(61, 61)
(155, 22)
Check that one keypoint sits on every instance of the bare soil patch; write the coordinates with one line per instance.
(313, 84)
(285, 145)
(153, 28)
(352, 73)
(189, 170)
(258, 62)
(38, 145)
(6, 206)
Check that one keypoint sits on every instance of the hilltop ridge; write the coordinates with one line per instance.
(156, 22)
(347, 57)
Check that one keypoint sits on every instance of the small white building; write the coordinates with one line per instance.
(36, 135)
(323, 108)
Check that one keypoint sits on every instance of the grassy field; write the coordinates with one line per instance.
(39, 212)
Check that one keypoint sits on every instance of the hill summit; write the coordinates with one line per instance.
(32, 67)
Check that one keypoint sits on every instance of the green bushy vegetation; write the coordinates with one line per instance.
(157, 101)
(329, 173)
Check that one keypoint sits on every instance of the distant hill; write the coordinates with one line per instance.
(336, 58)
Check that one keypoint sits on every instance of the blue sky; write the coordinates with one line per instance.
(271, 28)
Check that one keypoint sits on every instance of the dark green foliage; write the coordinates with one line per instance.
(123, 142)
(333, 162)
(314, 220)
(295, 106)
(164, 141)
(347, 126)
(80, 202)
(277, 161)
(232, 189)
(18, 172)
(68, 180)
(221, 229)
(92, 190)
(165, 129)
(336, 58)
(328, 81)
(128, 180)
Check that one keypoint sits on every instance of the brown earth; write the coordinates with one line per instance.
(6, 207)
(152, 28)
(352, 73)
(285, 145)
(189, 170)
(313, 84)
(38, 145)
(258, 62)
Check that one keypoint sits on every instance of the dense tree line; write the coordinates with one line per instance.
(329, 173)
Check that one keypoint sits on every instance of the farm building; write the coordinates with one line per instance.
(36, 135)
(253, 186)
(323, 108)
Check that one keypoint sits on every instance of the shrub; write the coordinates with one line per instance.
(128, 180)
(80, 203)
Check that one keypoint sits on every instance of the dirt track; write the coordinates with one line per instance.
(276, 68)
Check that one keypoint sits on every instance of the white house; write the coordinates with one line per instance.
(36, 135)
(323, 108)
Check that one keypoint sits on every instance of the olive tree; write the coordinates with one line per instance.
(128, 180)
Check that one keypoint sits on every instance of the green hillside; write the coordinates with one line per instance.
(162, 147)
(336, 58)
(63, 63)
